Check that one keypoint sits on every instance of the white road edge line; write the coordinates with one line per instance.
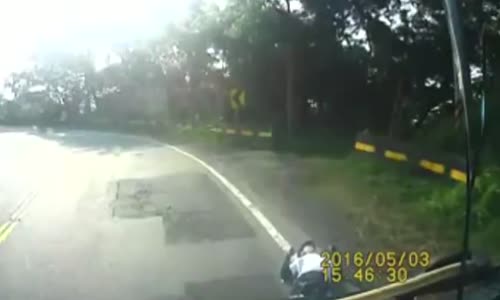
(268, 226)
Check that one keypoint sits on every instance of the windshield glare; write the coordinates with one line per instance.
(268, 149)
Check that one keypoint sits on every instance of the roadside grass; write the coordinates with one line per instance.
(202, 136)
(396, 207)
(385, 202)
(194, 135)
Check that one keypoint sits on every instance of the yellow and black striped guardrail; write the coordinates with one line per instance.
(234, 131)
(243, 132)
(440, 164)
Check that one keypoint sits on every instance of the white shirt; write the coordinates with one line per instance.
(306, 263)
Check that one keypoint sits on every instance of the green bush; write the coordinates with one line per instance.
(487, 208)
(446, 204)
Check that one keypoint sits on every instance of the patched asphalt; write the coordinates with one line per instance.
(181, 202)
(121, 217)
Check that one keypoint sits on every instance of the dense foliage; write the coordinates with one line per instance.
(344, 65)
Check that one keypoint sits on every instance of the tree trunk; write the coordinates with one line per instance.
(290, 96)
(290, 76)
(397, 111)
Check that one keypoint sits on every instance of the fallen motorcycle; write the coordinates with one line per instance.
(310, 286)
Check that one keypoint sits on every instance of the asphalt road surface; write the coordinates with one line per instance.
(88, 215)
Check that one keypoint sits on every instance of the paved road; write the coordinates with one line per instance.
(106, 216)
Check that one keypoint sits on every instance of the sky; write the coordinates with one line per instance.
(54, 26)
(43, 26)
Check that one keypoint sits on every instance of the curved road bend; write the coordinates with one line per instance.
(87, 215)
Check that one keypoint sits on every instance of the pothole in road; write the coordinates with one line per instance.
(133, 199)
(192, 207)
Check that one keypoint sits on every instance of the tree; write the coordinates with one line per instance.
(384, 65)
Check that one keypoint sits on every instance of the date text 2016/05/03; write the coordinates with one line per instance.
(391, 266)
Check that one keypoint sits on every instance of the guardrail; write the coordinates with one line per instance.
(234, 131)
(437, 163)
(243, 132)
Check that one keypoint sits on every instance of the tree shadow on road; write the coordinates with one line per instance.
(100, 142)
